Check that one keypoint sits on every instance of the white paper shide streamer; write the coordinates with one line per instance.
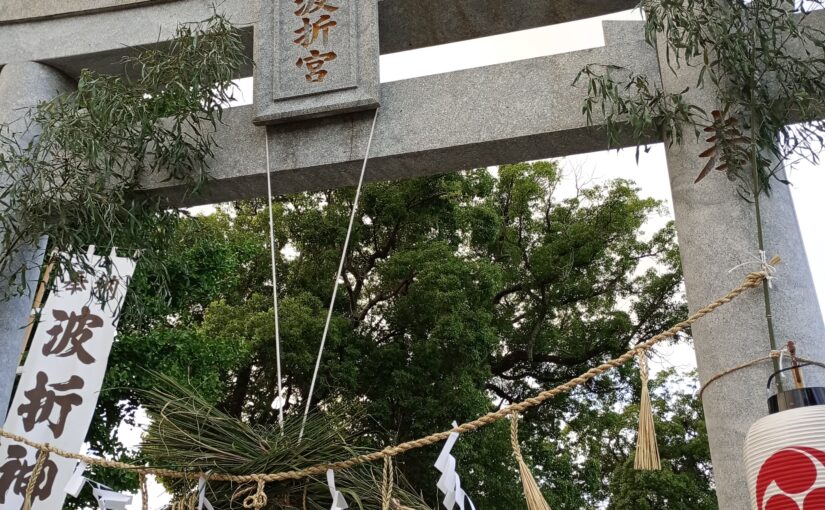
(202, 501)
(338, 500)
(450, 483)
(108, 499)
(77, 481)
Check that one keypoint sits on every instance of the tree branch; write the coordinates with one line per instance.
(500, 392)
(400, 289)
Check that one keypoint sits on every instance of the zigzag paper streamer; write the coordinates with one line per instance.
(450, 483)
(338, 500)
(202, 501)
(77, 481)
(108, 499)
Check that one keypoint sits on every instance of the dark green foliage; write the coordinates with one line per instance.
(763, 58)
(461, 291)
(684, 482)
(77, 181)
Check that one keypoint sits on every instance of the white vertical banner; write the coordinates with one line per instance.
(61, 380)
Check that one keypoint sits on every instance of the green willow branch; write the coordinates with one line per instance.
(762, 58)
(623, 98)
(78, 180)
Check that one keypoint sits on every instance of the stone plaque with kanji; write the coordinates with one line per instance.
(315, 58)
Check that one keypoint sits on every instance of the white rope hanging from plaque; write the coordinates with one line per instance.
(338, 276)
(279, 401)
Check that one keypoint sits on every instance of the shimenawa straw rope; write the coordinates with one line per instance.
(144, 492)
(38, 468)
(751, 281)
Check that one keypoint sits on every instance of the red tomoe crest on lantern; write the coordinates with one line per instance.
(785, 451)
(798, 473)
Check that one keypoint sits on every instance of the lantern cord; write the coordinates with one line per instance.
(773, 357)
(338, 276)
(272, 251)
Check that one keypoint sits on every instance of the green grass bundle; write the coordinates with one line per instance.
(188, 433)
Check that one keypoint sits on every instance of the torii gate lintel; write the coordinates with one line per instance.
(491, 115)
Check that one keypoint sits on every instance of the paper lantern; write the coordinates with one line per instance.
(785, 451)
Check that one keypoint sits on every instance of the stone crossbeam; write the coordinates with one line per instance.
(511, 112)
(504, 113)
(96, 34)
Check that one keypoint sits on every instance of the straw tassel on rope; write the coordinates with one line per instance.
(144, 491)
(532, 493)
(647, 450)
(386, 486)
(185, 502)
(42, 455)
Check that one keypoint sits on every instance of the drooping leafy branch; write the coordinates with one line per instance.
(79, 180)
(625, 98)
(762, 58)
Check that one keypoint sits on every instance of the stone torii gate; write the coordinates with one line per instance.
(316, 110)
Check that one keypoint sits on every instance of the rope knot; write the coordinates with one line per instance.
(259, 499)
(768, 268)
(766, 272)
(644, 371)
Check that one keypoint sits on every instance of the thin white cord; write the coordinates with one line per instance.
(762, 260)
(338, 276)
(274, 285)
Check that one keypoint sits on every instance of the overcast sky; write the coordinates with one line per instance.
(650, 174)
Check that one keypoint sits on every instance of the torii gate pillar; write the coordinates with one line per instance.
(419, 132)
(717, 231)
(21, 86)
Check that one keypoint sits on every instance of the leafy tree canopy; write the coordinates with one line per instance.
(461, 292)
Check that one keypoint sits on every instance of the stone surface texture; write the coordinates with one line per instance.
(338, 70)
(504, 113)
(98, 40)
(14, 10)
(717, 231)
(406, 25)
(21, 85)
